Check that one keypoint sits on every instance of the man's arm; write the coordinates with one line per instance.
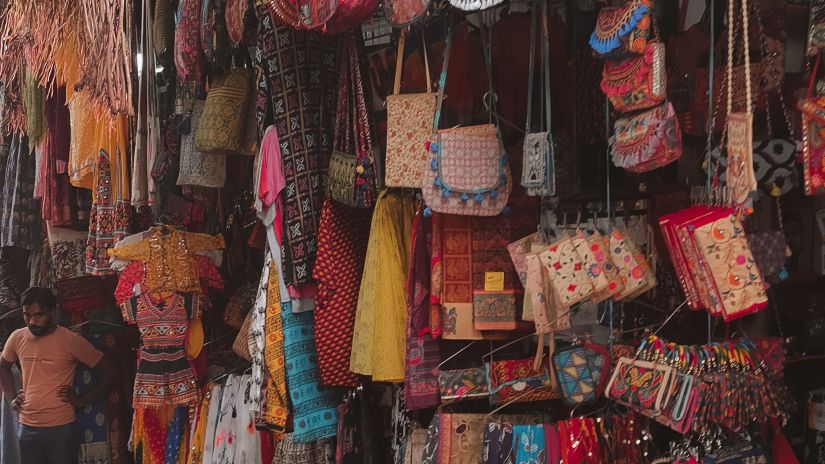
(109, 371)
(7, 382)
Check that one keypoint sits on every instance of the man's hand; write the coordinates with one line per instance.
(17, 403)
(67, 394)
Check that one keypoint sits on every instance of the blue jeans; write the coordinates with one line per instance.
(48, 445)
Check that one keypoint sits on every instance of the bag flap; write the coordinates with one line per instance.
(470, 161)
(614, 23)
(622, 76)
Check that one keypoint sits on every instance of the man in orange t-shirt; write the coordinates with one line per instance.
(48, 355)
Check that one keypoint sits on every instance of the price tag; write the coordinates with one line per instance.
(493, 281)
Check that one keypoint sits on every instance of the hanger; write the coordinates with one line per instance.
(89, 321)
(508, 403)
(455, 354)
(510, 343)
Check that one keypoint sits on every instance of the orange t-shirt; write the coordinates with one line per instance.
(47, 363)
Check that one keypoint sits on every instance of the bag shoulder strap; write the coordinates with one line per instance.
(442, 80)
(399, 60)
(731, 45)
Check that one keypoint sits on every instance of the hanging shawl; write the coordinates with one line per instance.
(19, 210)
(296, 82)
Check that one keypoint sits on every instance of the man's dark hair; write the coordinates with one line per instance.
(43, 297)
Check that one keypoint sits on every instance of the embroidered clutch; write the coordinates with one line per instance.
(462, 384)
(813, 144)
(637, 82)
(515, 380)
(641, 385)
(622, 30)
(567, 274)
(647, 140)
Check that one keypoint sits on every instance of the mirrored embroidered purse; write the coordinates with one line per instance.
(637, 82)
(622, 30)
(647, 140)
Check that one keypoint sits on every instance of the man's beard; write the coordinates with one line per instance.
(38, 331)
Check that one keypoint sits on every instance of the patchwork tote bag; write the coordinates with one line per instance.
(468, 173)
(409, 127)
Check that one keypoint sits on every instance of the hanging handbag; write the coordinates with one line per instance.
(622, 30)
(221, 128)
(196, 168)
(648, 140)
(741, 180)
(239, 306)
(241, 344)
(812, 109)
(642, 385)
(409, 126)
(462, 384)
(474, 5)
(468, 171)
(353, 164)
(404, 12)
(517, 381)
(538, 170)
(581, 370)
(566, 273)
(637, 82)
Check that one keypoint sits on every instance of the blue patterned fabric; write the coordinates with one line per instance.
(315, 416)
(530, 444)
(92, 420)
(174, 436)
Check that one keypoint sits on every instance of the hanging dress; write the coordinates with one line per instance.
(342, 248)
(379, 341)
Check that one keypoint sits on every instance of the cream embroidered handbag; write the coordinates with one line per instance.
(409, 127)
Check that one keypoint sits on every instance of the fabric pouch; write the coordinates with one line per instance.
(642, 385)
(648, 140)
(622, 30)
(638, 82)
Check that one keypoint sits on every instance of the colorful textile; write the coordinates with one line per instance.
(92, 419)
(421, 377)
(378, 344)
(19, 210)
(277, 407)
(342, 248)
(293, 452)
(529, 444)
(109, 217)
(253, 330)
(460, 438)
(228, 420)
(164, 375)
(175, 440)
(211, 423)
(169, 254)
(313, 406)
(296, 76)
(497, 444)
(195, 455)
